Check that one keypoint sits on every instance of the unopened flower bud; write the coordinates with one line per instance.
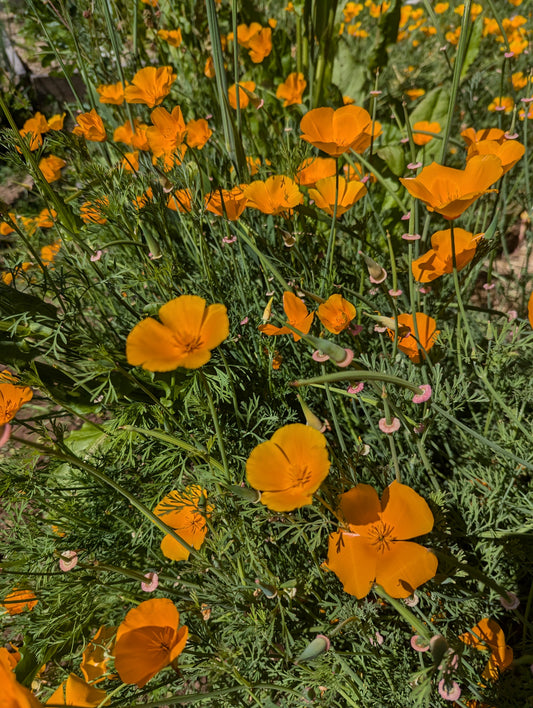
(376, 272)
(337, 354)
(268, 590)
(267, 312)
(310, 418)
(318, 646)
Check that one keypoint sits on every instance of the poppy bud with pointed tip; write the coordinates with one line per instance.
(310, 418)
(376, 272)
(336, 353)
(319, 645)
(268, 590)
(267, 312)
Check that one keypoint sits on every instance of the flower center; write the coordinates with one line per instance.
(301, 476)
(381, 536)
(189, 344)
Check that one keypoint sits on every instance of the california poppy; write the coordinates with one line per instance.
(509, 151)
(407, 341)
(227, 202)
(96, 654)
(372, 547)
(13, 694)
(35, 127)
(336, 132)
(148, 640)
(277, 194)
(77, 692)
(56, 121)
(439, 259)
(427, 127)
(244, 99)
(90, 126)
(19, 601)
(172, 37)
(187, 333)
(260, 45)
(348, 194)
(297, 316)
(181, 511)
(10, 659)
(12, 398)
(111, 93)
(487, 635)
(46, 217)
(150, 85)
(246, 32)
(198, 133)
(289, 467)
(167, 134)
(530, 309)
(93, 212)
(51, 167)
(336, 313)
(314, 168)
(136, 137)
(291, 90)
(470, 135)
(49, 252)
(130, 161)
(449, 191)
(180, 200)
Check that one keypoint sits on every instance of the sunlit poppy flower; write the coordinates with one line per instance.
(96, 655)
(13, 694)
(186, 513)
(49, 252)
(351, 11)
(291, 90)
(46, 217)
(137, 138)
(198, 133)
(94, 212)
(378, 9)
(150, 85)
(275, 195)
(90, 126)
(427, 127)
(77, 692)
(337, 131)
(487, 635)
(187, 333)
(260, 45)
(17, 601)
(439, 260)
(502, 103)
(130, 161)
(407, 340)
(297, 316)
(148, 640)
(209, 68)
(449, 191)
(35, 127)
(56, 121)
(326, 189)
(5, 226)
(12, 398)
(51, 167)
(470, 135)
(111, 93)
(509, 152)
(314, 168)
(373, 546)
(415, 93)
(289, 468)
(244, 99)
(336, 313)
(518, 80)
(9, 658)
(180, 200)
(172, 37)
(227, 202)
(245, 33)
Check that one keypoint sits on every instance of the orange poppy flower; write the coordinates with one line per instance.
(148, 640)
(227, 202)
(18, 601)
(93, 212)
(35, 127)
(348, 194)
(245, 33)
(188, 333)
(449, 191)
(90, 126)
(172, 37)
(181, 511)
(427, 335)
(46, 217)
(415, 93)
(180, 200)
(289, 467)
(297, 316)
(56, 121)
(244, 99)
(12, 398)
(130, 161)
(48, 253)
(260, 45)
(9, 658)
(487, 635)
(275, 195)
(530, 309)
(471, 136)
(166, 135)
(509, 152)
(426, 126)
(77, 692)
(7, 278)
(150, 85)
(136, 138)
(198, 133)
(96, 654)
(314, 168)
(5, 227)
(336, 313)
(502, 102)
(13, 694)
(51, 167)
(291, 90)
(209, 68)
(439, 260)
(373, 548)
(336, 132)
(111, 93)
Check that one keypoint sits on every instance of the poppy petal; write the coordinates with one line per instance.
(153, 346)
(360, 506)
(142, 653)
(405, 567)
(215, 326)
(157, 612)
(353, 560)
(267, 468)
(183, 315)
(406, 511)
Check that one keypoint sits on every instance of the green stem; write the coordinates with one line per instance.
(405, 613)
(216, 423)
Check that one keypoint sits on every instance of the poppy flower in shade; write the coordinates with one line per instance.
(13, 694)
(172, 37)
(471, 136)
(244, 99)
(46, 218)
(373, 547)
(49, 252)
(427, 127)
(111, 93)
(509, 152)
(198, 133)
(336, 313)
(96, 654)
(439, 259)
(51, 167)
(181, 511)
(407, 342)
(136, 138)
(90, 126)
(93, 212)
(348, 194)
(449, 191)
(314, 168)
(278, 194)
(487, 635)
(336, 132)
(227, 202)
(130, 162)
(291, 90)
(297, 316)
(35, 127)
(56, 121)
(148, 640)
(180, 200)
(12, 398)
(187, 333)
(77, 692)
(260, 45)
(289, 467)
(150, 85)
(19, 601)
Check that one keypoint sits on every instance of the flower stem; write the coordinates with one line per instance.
(216, 423)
